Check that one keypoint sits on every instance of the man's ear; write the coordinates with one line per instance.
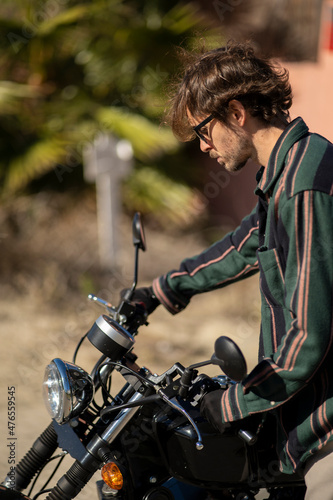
(237, 112)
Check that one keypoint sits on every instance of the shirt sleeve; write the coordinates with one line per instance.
(230, 259)
(305, 223)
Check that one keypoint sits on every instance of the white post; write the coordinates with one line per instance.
(106, 162)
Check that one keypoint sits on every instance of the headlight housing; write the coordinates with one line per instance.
(67, 390)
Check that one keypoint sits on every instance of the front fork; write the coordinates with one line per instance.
(40, 452)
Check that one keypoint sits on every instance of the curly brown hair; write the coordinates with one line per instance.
(212, 79)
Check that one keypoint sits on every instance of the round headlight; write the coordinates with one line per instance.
(67, 390)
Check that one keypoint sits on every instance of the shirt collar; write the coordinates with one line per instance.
(292, 133)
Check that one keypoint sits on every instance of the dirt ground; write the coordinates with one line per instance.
(49, 263)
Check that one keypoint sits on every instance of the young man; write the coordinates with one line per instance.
(238, 105)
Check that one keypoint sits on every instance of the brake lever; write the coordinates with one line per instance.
(176, 406)
(102, 303)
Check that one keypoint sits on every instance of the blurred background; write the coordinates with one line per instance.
(83, 90)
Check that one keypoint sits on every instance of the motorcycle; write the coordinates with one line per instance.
(149, 440)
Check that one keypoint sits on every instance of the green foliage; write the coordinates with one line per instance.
(148, 141)
(73, 69)
(41, 157)
(150, 191)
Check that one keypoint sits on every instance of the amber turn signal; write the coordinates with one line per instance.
(112, 476)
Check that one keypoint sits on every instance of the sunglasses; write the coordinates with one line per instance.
(201, 132)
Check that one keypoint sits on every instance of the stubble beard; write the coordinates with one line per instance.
(235, 157)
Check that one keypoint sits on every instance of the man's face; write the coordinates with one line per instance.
(229, 144)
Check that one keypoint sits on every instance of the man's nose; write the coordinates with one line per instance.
(204, 146)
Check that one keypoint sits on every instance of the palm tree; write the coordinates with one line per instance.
(72, 69)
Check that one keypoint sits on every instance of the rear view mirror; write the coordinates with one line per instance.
(230, 358)
(138, 232)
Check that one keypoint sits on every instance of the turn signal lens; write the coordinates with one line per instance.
(112, 476)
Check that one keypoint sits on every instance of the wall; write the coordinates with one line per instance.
(312, 82)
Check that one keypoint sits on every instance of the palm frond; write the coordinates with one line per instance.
(182, 18)
(68, 16)
(148, 140)
(151, 192)
(12, 93)
(40, 158)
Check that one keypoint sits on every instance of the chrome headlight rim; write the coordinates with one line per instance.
(68, 390)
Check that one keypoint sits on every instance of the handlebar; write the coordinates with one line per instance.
(132, 315)
(154, 398)
(128, 314)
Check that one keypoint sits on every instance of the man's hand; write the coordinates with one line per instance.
(211, 409)
(144, 296)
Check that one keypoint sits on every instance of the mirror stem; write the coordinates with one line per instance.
(136, 267)
(129, 293)
(198, 365)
